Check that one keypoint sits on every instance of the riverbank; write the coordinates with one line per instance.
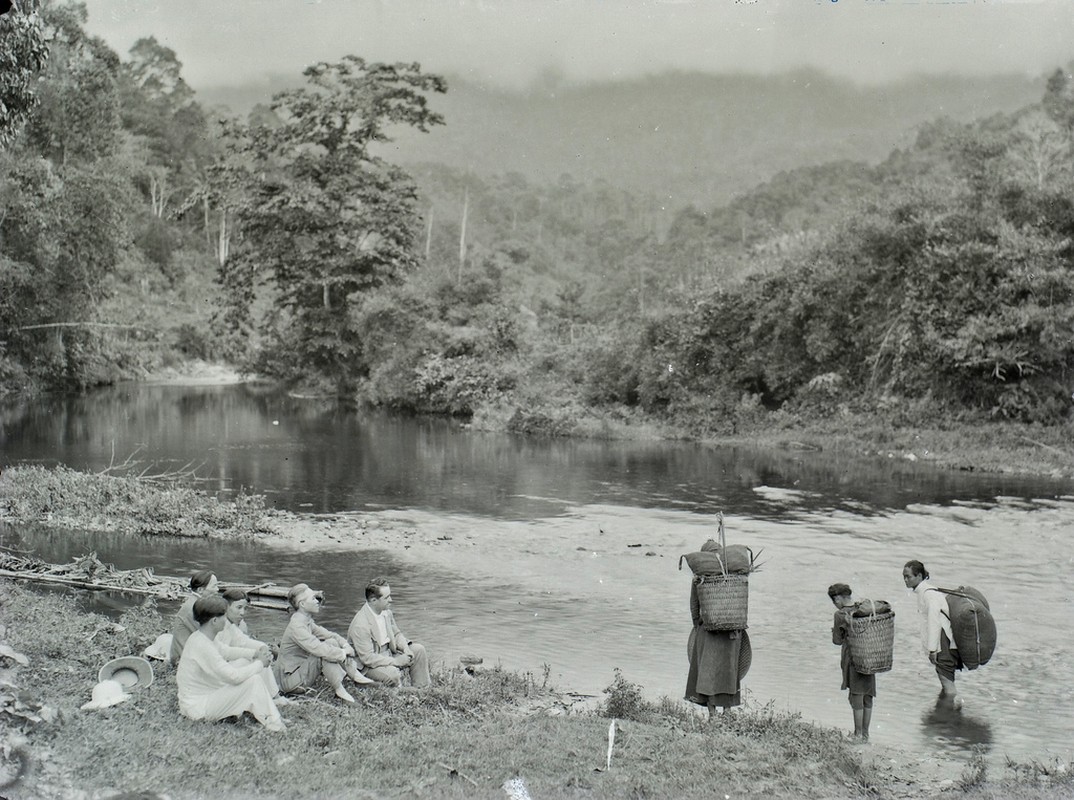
(538, 733)
(466, 737)
(971, 446)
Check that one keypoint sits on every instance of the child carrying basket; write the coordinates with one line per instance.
(866, 632)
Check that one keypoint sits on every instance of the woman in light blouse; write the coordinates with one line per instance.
(210, 686)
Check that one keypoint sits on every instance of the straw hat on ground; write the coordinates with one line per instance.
(131, 672)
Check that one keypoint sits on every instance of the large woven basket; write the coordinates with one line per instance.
(872, 641)
(723, 600)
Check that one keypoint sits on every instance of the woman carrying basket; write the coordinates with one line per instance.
(719, 659)
(862, 687)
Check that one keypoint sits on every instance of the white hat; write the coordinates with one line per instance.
(105, 694)
(160, 649)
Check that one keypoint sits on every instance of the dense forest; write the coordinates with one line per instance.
(139, 227)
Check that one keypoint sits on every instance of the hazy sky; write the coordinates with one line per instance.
(513, 42)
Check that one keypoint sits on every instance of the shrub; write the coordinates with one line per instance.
(193, 342)
(625, 701)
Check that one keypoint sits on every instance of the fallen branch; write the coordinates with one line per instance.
(454, 772)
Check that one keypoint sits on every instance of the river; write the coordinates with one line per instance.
(585, 576)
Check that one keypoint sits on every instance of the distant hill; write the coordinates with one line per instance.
(685, 138)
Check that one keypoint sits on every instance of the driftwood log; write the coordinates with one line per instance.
(89, 573)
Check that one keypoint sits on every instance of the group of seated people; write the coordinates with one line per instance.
(224, 672)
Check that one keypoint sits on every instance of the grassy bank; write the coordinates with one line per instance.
(463, 738)
(1004, 447)
(977, 444)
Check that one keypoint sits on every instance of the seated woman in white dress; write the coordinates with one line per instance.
(237, 645)
(210, 686)
(308, 650)
(202, 584)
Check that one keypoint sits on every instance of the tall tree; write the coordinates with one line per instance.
(158, 107)
(78, 117)
(325, 218)
(23, 53)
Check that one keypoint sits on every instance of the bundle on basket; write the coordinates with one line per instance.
(871, 636)
(721, 576)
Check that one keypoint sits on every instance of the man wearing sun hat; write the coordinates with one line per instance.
(308, 650)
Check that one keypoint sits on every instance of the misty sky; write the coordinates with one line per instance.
(514, 42)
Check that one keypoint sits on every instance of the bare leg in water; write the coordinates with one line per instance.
(862, 717)
(949, 693)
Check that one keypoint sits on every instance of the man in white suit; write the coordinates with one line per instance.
(383, 652)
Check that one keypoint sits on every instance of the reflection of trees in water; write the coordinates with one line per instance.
(955, 728)
(327, 457)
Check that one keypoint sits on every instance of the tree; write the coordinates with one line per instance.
(158, 108)
(325, 218)
(1058, 100)
(1040, 150)
(78, 114)
(23, 53)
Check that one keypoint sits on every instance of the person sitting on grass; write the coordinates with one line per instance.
(236, 644)
(203, 584)
(384, 652)
(862, 688)
(308, 650)
(213, 688)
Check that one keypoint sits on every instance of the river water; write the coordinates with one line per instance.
(583, 595)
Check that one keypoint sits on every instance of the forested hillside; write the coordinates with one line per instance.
(315, 241)
(681, 138)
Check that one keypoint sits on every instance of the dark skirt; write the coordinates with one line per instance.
(856, 682)
(718, 662)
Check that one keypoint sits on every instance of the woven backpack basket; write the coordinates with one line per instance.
(872, 642)
(724, 600)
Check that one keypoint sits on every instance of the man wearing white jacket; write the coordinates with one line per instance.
(382, 649)
(936, 635)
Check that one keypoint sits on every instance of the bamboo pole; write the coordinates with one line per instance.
(264, 596)
(80, 325)
(44, 577)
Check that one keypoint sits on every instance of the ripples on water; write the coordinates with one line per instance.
(586, 611)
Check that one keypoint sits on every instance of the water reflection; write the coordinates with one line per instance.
(319, 456)
(956, 729)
